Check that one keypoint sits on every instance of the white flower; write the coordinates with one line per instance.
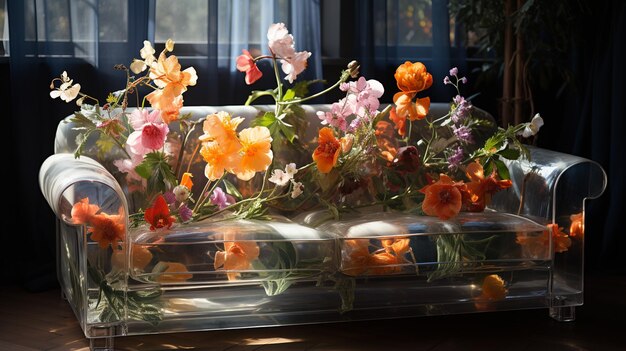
(66, 91)
(532, 128)
(291, 169)
(297, 190)
(147, 54)
(181, 193)
(292, 66)
(279, 177)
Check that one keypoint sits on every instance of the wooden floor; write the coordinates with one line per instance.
(43, 321)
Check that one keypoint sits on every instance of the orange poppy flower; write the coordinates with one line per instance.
(256, 152)
(186, 180)
(327, 152)
(104, 228)
(536, 246)
(355, 257)
(560, 240)
(237, 255)
(158, 216)
(107, 229)
(577, 228)
(411, 79)
(480, 188)
(399, 121)
(443, 198)
(174, 273)
(83, 211)
(493, 289)
(386, 141)
(399, 246)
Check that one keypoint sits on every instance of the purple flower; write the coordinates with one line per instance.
(185, 213)
(455, 159)
(463, 133)
(463, 80)
(461, 110)
(169, 196)
(446, 80)
(220, 199)
(454, 71)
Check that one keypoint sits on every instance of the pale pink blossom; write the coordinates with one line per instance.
(128, 166)
(292, 66)
(280, 41)
(150, 131)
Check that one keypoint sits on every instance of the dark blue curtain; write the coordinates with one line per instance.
(590, 121)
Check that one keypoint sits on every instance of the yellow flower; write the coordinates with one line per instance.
(222, 128)
(256, 152)
(217, 161)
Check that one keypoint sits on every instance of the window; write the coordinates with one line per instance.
(62, 28)
(4, 29)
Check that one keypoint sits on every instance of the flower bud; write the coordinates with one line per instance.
(353, 69)
(169, 45)
(181, 193)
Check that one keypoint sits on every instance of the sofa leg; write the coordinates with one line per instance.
(563, 314)
(102, 344)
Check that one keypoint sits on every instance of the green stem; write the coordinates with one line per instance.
(344, 77)
(279, 85)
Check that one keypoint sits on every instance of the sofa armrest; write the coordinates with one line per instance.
(551, 185)
(65, 180)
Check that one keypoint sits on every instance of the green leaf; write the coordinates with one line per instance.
(290, 94)
(287, 130)
(105, 144)
(509, 154)
(503, 171)
(231, 189)
(488, 166)
(144, 170)
(266, 120)
(157, 171)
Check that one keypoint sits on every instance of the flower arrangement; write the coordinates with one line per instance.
(365, 154)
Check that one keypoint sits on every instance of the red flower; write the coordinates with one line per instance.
(246, 63)
(159, 214)
(481, 188)
(443, 198)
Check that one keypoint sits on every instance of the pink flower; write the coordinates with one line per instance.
(292, 66)
(220, 199)
(245, 63)
(280, 41)
(150, 131)
(128, 165)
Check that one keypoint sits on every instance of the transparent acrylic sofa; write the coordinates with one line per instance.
(304, 271)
